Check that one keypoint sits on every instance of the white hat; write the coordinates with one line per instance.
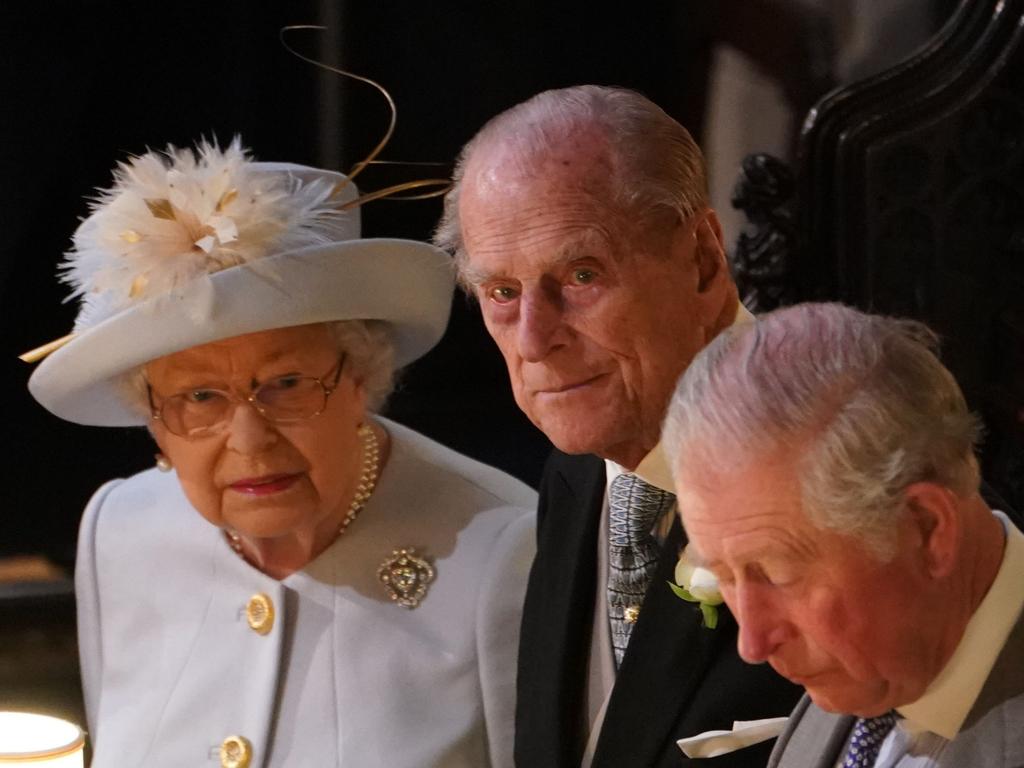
(188, 248)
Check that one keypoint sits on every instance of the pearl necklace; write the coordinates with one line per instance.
(367, 482)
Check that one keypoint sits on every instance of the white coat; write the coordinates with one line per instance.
(345, 677)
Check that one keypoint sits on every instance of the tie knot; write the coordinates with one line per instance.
(876, 725)
(866, 740)
(634, 505)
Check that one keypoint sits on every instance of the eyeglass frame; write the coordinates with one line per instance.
(216, 428)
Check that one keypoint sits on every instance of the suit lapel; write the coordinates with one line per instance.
(555, 639)
(813, 738)
(1005, 681)
(667, 657)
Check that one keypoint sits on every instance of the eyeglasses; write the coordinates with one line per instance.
(203, 412)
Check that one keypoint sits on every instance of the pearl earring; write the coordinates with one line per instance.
(163, 463)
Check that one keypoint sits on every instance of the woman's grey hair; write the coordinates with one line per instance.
(656, 165)
(369, 356)
(861, 402)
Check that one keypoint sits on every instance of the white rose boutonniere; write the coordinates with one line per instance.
(695, 584)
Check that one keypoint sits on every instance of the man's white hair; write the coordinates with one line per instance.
(656, 165)
(369, 357)
(861, 401)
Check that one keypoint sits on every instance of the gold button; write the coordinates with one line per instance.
(259, 612)
(631, 614)
(235, 752)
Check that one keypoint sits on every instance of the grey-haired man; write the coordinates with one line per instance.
(580, 221)
(826, 473)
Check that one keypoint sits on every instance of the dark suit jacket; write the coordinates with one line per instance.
(677, 678)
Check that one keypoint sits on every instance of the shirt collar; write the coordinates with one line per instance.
(652, 469)
(946, 703)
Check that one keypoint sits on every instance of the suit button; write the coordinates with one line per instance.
(235, 752)
(259, 612)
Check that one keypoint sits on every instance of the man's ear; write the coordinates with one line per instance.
(935, 521)
(715, 295)
(710, 250)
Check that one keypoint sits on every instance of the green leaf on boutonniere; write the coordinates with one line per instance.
(708, 611)
(683, 593)
(696, 584)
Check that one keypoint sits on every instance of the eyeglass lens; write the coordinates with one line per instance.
(288, 398)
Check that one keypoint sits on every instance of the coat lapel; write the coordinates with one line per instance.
(657, 678)
(813, 738)
(555, 639)
(1005, 681)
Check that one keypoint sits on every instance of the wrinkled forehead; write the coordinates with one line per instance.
(754, 505)
(538, 229)
(506, 162)
(536, 207)
(560, 186)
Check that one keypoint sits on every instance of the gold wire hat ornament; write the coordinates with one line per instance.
(435, 186)
(441, 185)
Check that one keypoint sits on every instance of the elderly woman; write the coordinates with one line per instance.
(298, 582)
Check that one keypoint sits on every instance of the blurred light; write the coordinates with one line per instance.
(40, 740)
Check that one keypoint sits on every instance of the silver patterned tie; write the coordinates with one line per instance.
(866, 741)
(633, 508)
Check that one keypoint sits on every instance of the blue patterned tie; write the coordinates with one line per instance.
(867, 738)
(633, 508)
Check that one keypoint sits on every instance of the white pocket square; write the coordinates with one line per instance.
(744, 733)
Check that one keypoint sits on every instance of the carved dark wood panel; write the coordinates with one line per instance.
(910, 201)
(763, 257)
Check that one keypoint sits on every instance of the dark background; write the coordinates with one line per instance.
(85, 84)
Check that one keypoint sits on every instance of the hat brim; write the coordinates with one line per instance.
(406, 283)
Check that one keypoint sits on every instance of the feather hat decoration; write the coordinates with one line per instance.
(191, 246)
(172, 219)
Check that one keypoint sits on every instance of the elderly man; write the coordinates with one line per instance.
(826, 474)
(580, 221)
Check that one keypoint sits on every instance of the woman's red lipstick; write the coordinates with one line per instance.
(264, 486)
